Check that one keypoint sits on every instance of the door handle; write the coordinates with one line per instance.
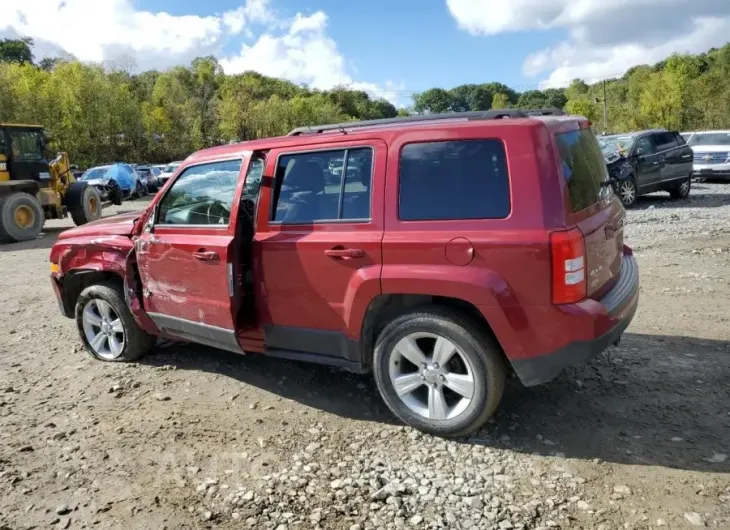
(206, 255)
(344, 253)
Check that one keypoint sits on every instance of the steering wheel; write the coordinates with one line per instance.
(221, 219)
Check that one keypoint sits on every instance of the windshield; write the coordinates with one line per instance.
(722, 138)
(26, 145)
(612, 144)
(96, 173)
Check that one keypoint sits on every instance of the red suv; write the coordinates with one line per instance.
(436, 251)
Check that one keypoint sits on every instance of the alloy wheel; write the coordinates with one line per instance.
(431, 376)
(103, 329)
(627, 192)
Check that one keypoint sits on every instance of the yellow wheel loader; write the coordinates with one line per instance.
(33, 189)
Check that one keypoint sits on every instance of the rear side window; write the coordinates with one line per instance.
(584, 168)
(453, 180)
(663, 141)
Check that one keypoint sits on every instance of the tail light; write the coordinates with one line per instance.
(568, 252)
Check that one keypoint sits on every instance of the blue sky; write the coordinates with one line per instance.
(390, 48)
(413, 42)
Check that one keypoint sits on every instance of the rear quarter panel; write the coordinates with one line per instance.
(508, 279)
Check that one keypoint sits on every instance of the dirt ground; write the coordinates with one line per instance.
(192, 437)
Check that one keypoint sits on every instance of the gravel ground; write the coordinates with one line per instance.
(197, 438)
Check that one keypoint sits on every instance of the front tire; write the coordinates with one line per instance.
(439, 371)
(682, 190)
(107, 327)
(116, 195)
(626, 191)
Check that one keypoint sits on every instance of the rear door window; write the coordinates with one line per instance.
(465, 179)
(584, 168)
(323, 186)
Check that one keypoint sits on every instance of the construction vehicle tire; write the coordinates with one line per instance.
(83, 202)
(21, 217)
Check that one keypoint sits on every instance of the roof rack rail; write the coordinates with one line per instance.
(549, 111)
(494, 114)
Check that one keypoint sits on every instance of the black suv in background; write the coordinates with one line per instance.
(647, 161)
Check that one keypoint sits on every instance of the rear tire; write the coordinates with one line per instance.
(84, 203)
(116, 195)
(115, 337)
(426, 399)
(682, 190)
(21, 217)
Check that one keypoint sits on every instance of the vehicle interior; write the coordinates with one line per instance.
(303, 193)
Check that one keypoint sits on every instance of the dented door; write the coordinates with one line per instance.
(186, 256)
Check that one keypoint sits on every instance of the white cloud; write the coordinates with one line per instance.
(298, 48)
(95, 30)
(254, 11)
(604, 38)
(303, 54)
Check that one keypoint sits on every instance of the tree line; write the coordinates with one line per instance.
(684, 93)
(103, 113)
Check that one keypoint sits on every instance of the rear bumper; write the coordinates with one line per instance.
(712, 172)
(611, 315)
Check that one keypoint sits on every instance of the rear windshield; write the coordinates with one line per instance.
(710, 139)
(584, 167)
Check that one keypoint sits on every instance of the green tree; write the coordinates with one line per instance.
(16, 51)
(434, 101)
(500, 100)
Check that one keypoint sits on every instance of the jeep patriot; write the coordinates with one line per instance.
(438, 252)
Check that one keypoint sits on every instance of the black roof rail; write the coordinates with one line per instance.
(550, 111)
(494, 114)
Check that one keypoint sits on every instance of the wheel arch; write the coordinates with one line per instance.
(76, 280)
(385, 307)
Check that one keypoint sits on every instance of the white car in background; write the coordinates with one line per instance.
(711, 154)
(167, 172)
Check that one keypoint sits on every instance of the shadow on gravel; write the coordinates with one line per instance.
(44, 241)
(321, 387)
(701, 196)
(654, 400)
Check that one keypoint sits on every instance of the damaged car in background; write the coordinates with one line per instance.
(648, 161)
(113, 182)
(615, 149)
